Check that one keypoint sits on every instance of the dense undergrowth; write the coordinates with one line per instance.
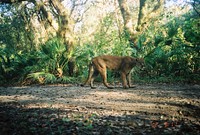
(171, 53)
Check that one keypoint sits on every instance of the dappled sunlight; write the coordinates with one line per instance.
(47, 45)
(162, 100)
(81, 109)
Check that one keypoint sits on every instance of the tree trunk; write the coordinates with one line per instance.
(128, 24)
(65, 31)
(148, 9)
(140, 14)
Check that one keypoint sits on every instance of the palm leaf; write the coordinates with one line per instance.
(42, 77)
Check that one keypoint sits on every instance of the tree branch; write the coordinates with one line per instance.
(13, 1)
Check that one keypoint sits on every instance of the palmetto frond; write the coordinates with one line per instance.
(42, 77)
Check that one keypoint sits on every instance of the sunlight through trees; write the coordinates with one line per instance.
(165, 33)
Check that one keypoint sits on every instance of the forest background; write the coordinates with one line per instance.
(53, 41)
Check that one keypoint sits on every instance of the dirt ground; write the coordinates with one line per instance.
(70, 109)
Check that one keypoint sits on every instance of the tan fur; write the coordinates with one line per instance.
(124, 64)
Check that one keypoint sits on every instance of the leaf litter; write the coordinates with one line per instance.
(59, 109)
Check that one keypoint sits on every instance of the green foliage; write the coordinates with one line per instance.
(52, 62)
(172, 50)
(15, 44)
(11, 65)
(42, 77)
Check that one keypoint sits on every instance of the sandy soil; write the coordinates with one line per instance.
(147, 106)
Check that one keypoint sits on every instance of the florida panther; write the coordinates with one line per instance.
(123, 64)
